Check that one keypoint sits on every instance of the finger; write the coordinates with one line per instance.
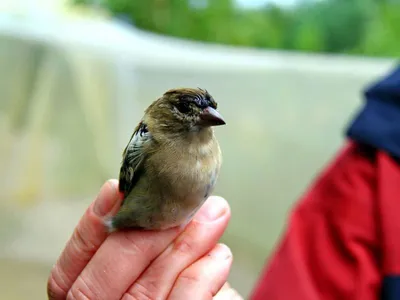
(87, 237)
(118, 262)
(204, 279)
(227, 293)
(226, 286)
(121, 260)
(200, 236)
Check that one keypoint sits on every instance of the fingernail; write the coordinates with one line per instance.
(221, 251)
(106, 198)
(213, 208)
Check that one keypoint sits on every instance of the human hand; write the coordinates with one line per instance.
(227, 293)
(173, 264)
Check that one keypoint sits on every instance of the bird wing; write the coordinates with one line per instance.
(133, 158)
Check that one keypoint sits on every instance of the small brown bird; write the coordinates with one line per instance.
(171, 163)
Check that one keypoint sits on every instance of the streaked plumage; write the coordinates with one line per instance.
(171, 162)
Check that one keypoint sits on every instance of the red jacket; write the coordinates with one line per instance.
(343, 238)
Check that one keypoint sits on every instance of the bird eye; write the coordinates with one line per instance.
(183, 107)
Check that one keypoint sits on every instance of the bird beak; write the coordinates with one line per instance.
(210, 117)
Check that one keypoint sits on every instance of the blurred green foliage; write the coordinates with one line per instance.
(363, 27)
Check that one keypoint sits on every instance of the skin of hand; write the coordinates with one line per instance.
(171, 162)
(178, 263)
(227, 293)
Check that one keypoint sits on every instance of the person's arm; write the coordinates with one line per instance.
(330, 249)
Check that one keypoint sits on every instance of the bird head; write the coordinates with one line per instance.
(185, 109)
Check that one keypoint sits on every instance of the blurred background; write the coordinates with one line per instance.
(75, 77)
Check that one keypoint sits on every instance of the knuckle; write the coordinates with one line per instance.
(185, 245)
(77, 294)
(189, 278)
(81, 290)
(54, 287)
(82, 242)
(141, 292)
(192, 241)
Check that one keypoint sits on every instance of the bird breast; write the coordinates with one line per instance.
(189, 171)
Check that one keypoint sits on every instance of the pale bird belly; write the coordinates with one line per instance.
(180, 209)
(179, 214)
(189, 192)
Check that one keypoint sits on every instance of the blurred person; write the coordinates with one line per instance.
(175, 264)
(342, 240)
